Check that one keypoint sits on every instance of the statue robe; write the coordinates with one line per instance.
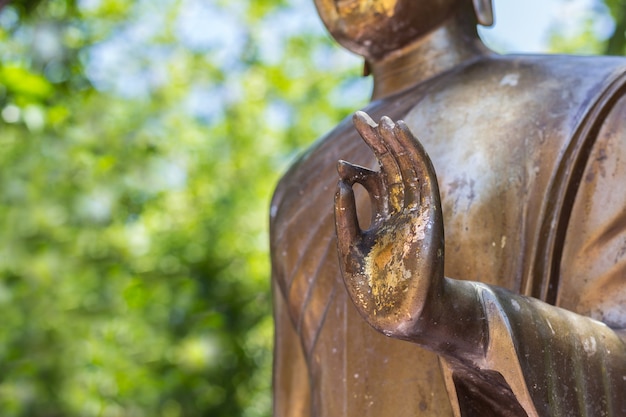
(530, 154)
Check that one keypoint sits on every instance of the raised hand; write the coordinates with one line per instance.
(393, 270)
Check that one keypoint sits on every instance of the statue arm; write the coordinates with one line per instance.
(571, 360)
(393, 271)
(540, 360)
(593, 267)
(501, 350)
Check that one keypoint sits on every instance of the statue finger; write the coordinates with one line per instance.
(371, 181)
(406, 162)
(410, 179)
(346, 221)
(372, 135)
(352, 173)
(427, 189)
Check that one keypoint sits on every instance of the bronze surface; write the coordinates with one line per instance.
(521, 161)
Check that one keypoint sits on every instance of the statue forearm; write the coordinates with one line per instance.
(534, 357)
(565, 359)
(452, 324)
(549, 358)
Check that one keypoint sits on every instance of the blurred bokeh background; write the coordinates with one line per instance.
(140, 142)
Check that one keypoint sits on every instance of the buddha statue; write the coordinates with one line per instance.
(458, 247)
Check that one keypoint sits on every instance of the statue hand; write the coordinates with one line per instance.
(393, 269)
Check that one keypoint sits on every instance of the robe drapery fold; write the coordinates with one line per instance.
(498, 162)
(554, 362)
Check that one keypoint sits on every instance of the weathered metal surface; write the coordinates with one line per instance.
(529, 154)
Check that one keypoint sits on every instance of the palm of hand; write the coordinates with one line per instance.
(395, 267)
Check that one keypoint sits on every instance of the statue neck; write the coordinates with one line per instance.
(442, 49)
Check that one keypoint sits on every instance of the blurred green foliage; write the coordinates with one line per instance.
(140, 143)
(616, 43)
(600, 28)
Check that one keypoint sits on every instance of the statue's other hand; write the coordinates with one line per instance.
(393, 270)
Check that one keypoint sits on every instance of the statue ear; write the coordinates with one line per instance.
(484, 12)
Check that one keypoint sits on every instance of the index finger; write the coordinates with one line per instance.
(391, 174)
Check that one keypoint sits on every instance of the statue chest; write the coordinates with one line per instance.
(503, 142)
(354, 368)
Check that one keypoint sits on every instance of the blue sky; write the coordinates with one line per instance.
(521, 26)
(524, 25)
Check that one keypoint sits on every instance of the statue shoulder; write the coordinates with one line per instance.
(570, 71)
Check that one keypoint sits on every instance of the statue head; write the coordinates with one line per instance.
(374, 28)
